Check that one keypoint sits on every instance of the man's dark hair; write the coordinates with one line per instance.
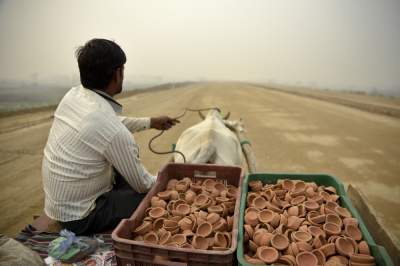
(97, 61)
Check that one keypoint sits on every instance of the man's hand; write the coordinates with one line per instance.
(163, 122)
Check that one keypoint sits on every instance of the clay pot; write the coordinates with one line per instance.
(288, 184)
(352, 221)
(189, 196)
(343, 212)
(315, 230)
(304, 246)
(255, 185)
(220, 225)
(299, 188)
(182, 210)
(301, 236)
(151, 237)
(298, 200)
(212, 218)
(253, 246)
(251, 218)
(200, 242)
(311, 205)
(204, 229)
(267, 254)
(306, 259)
(263, 239)
(158, 223)
(328, 249)
(294, 222)
(185, 223)
(363, 248)
(309, 192)
(362, 259)
(352, 231)
(334, 218)
(157, 212)
(344, 246)
(318, 241)
(215, 209)
(320, 256)
(249, 230)
(279, 241)
(173, 195)
(144, 228)
(315, 218)
(179, 239)
(265, 216)
(164, 195)
(220, 240)
(259, 202)
(331, 229)
(196, 187)
(293, 211)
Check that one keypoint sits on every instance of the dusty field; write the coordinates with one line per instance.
(289, 133)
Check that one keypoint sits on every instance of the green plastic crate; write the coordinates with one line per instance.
(379, 252)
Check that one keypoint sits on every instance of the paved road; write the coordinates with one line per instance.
(289, 133)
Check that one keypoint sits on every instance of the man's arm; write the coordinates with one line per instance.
(139, 124)
(123, 153)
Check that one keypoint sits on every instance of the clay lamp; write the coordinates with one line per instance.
(315, 230)
(251, 218)
(171, 184)
(195, 187)
(252, 246)
(298, 200)
(220, 225)
(173, 195)
(343, 212)
(293, 211)
(189, 196)
(253, 260)
(288, 184)
(287, 260)
(363, 248)
(229, 222)
(182, 210)
(320, 256)
(157, 212)
(265, 216)
(158, 224)
(220, 240)
(317, 198)
(283, 219)
(181, 186)
(255, 185)
(330, 205)
(228, 237)
(215, 209)
(185, 223)
(318, 241)
(232, 192)
(325, 195)
(273, 207)
(204, 229)
(333, 238)
(304, 246)
(334, 218)
(337, 260)
(168, 224)
(164, 195)
(334, 197)
(209, 184)
(179, 239)
(212, 218)
(262, 239)
(188, 233)
(306, 259)
(249, 230)
(352, 231)
(201, 200)
(310, 192)
(200, 242)
(151, 237)
(145, 227)
(280, 242)
(361, 259)
(259, 202)
(328, 249)
(303, 227)
(268, 194)
(300, 236)
(267, 254)
(344, 246)
(299, 188)
(294, 222)
(331, 229)
(353, 221)
(311, 205)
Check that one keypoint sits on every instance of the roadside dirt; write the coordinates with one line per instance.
(289, 133)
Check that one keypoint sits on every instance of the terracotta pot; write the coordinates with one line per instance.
(279, 241)
(255, 185)
(249, 230)
(301, 236)
(158, 223)
(228, 237)
(181, 186)
(253, 246)
(189, 196)
(334, 218)
(293, 249)
(288, 184)
(311, 205)
(179, 239)
(318, 241)
(188, 233)
(200, 242)
(344, 246)
(215, 209)
(251, 218)
(267, 254)
(304, 246)
(165, 237)
(315, 230)
(151, 237)
(182, 210)
(144, 228)
(157, 212)
(212, 218)
(352, 231)
(362, 259)
(352, 221)
(265, 216)
(303, 227)
(328, 249)
(293, 211)
(201, 200)
(294, 222)
(204, 229)
(310, 192)
(306, 259)
(220, 240)
(195, 187)
(298, 200)
(186, 223)
(259, 202)
(343, 212)
(331, 229)
(320, 256)
(363, 248)
(164, 195)
(220, 225)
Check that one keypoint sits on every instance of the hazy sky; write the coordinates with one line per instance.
(331, 43)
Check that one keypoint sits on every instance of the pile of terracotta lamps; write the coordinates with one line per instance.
(299, 223)
(190, 214)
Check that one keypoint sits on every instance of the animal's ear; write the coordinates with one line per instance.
(227, 116)
(201, 115)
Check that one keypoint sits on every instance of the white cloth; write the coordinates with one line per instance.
(86, 139)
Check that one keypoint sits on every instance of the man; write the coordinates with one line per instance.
(92, 174)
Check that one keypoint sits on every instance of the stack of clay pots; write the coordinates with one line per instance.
(190, 214)
(299, 223)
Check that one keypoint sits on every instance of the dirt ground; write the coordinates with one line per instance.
(289, 133)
